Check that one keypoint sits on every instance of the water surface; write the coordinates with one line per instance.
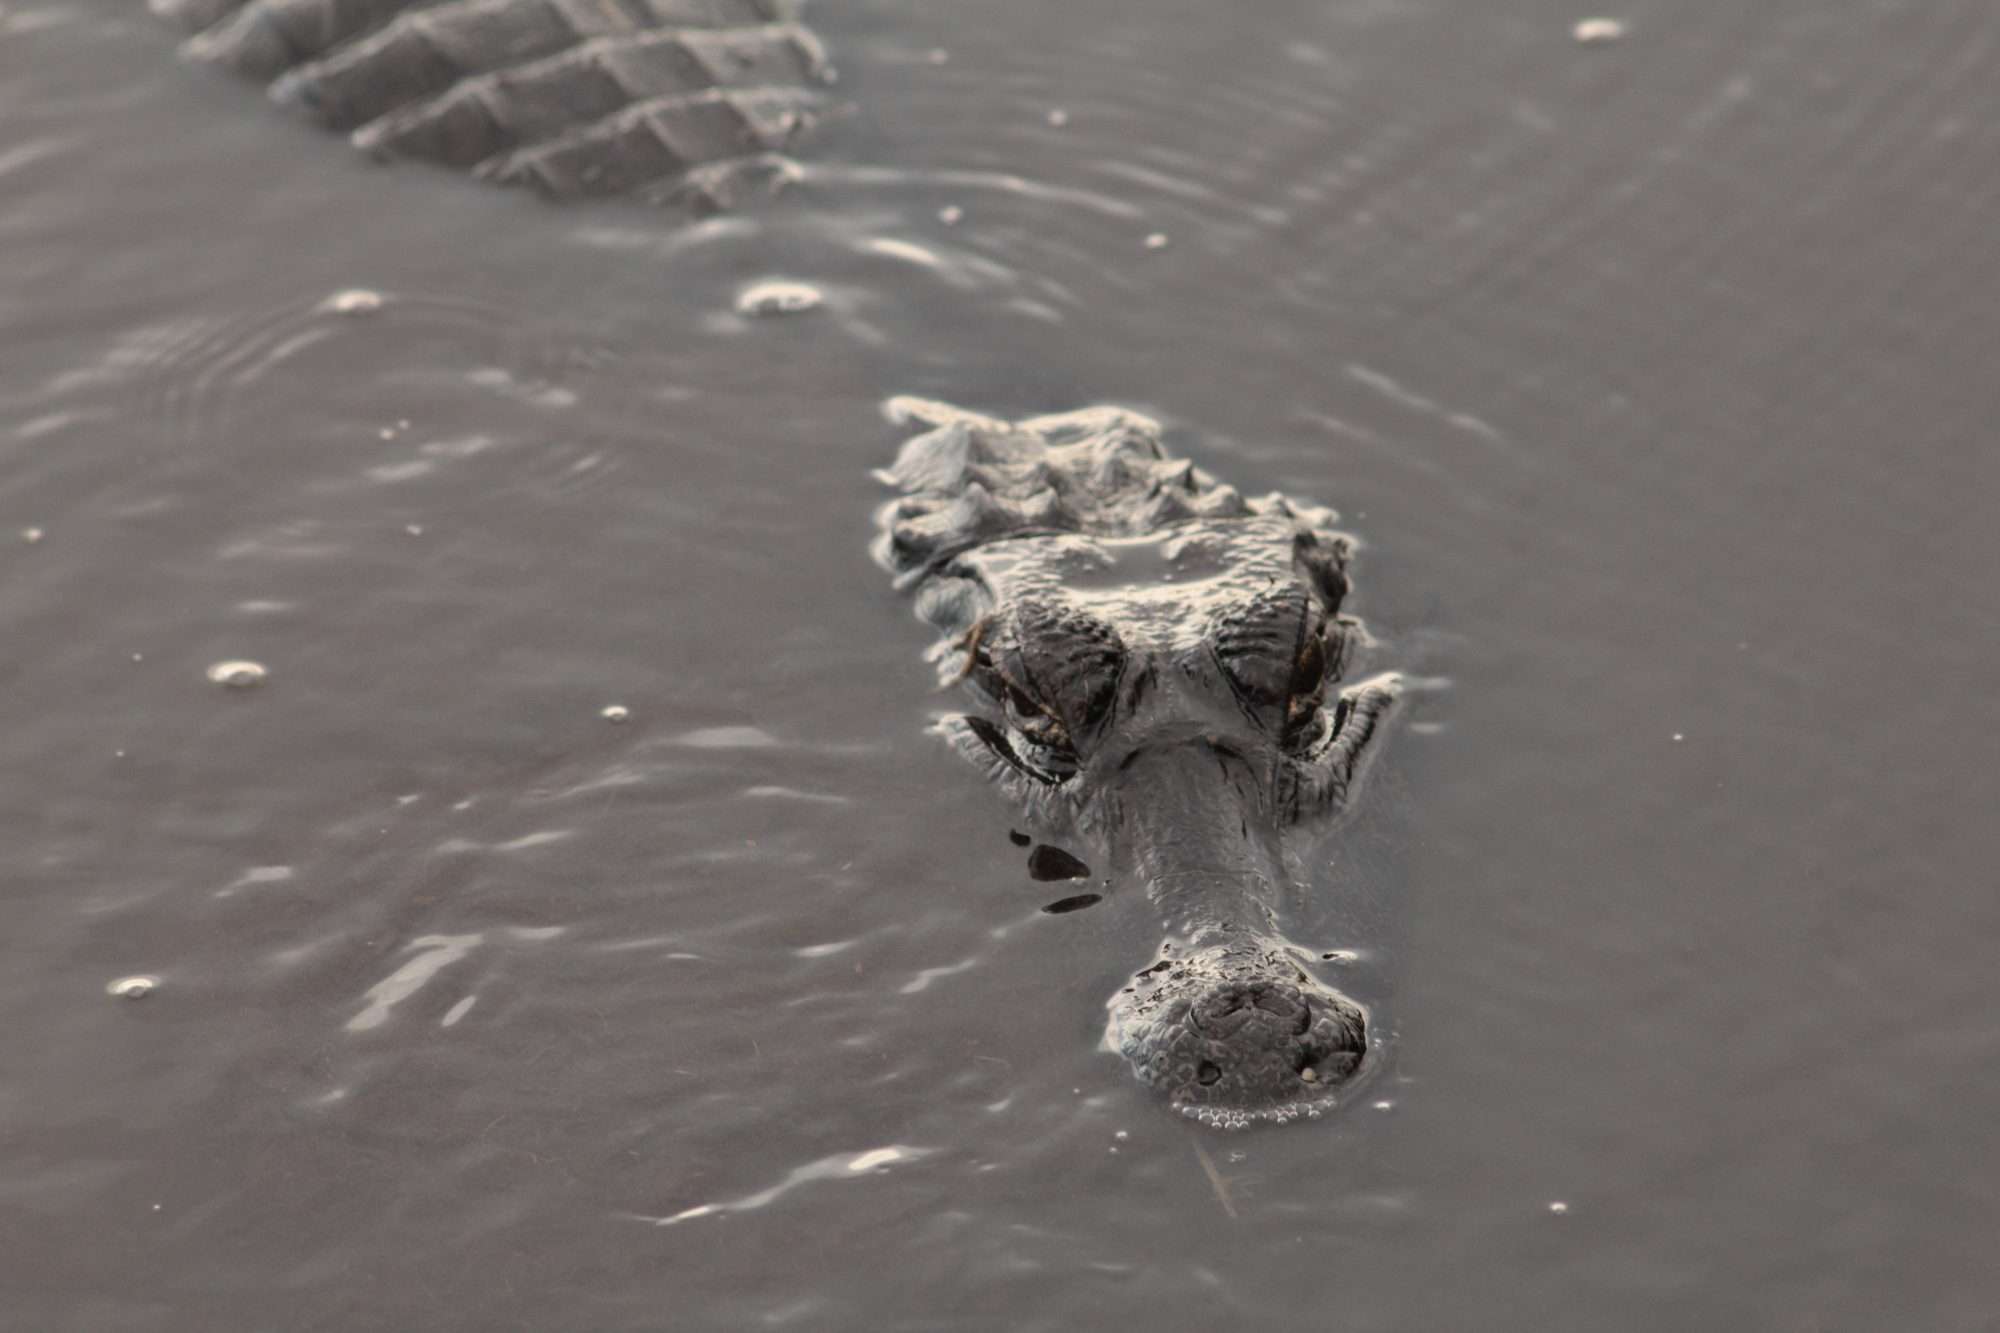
(1655, 375)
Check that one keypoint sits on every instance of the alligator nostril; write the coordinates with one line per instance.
(1208, 1073)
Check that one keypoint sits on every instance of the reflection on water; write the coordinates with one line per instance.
(838, 1167)
(434, 954)
(1653, 373)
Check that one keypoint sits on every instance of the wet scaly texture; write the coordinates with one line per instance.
(1238, 1032)
(683, 101)
(1154, 658)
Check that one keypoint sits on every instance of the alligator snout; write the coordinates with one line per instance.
(1236, 1033)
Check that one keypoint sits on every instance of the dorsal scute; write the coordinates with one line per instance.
(659, 139)
(691, 102)
(1101, 472)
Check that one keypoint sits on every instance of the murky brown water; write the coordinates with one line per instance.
(1658, 376)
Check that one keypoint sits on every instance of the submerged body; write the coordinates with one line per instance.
(686, 102)
(1156, 659)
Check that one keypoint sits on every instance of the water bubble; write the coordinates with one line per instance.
(1058, 117)
(354, 301)
(1157, 241)
(778, 298)
(32, 535)
(238, 674)
(1558, 1207)
(951, 215)
(1385, 1106)
(615, 713)
(937, 55)
(132, 988)
(1598, 32)
(414, 529)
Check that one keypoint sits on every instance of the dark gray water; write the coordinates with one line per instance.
(1658, 377)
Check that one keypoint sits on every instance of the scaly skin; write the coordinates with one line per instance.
(1154, 657)
(686, 102)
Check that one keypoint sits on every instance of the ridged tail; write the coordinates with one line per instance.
(684, 101)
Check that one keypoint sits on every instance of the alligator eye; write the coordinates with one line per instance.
(1036, 724)
(1309, 670)
(1049, 744)
(1277, 655)
(1039, 735)
(1302, 705)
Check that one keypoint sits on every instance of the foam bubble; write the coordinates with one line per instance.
(238, 674)
(354, 301)
(778, 298)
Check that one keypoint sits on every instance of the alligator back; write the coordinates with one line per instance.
(681, 101)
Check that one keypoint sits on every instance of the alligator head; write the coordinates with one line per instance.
(1155, 660)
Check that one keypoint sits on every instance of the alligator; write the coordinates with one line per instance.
(1155, 657)
(1155, 660)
